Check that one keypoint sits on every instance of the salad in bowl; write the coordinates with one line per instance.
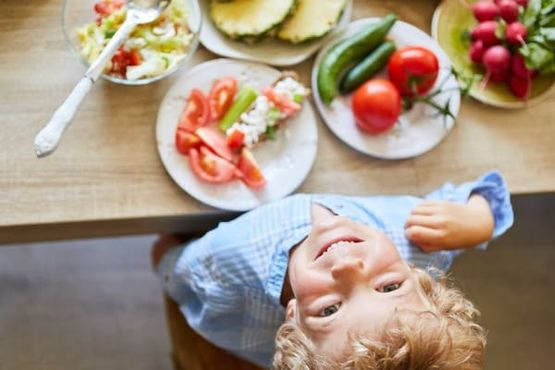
(151, 52)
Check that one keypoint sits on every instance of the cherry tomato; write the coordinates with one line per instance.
(413, 70)
(221, 97)
(252, 176)
(285, 105)
(215, 141)
(185, 141)
(196, 112)
(376, 106)
(209, 167)
(235, 139)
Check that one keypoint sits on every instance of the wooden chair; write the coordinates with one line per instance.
(191, 351)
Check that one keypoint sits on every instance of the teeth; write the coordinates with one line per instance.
(342, 242)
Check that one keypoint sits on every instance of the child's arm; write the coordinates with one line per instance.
(438, 224)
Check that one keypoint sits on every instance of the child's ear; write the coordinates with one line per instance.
(290, 310)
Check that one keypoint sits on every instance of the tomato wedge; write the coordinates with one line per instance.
(185, 141)
(196, 112)
(215, 140)
(285, 105)
(235, 139)
(221, 97)
(252, 176)
(209, 167)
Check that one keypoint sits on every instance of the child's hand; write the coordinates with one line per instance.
(161, 246)
(437, 225)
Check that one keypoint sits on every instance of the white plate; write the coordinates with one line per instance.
(270, 51)
(284, 162)
(419, 129)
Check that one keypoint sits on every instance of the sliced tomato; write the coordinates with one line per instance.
(120, 61)
(215, 141)
(185, 141)
(285, 105)
(252, 175)
(235, 139)
(209, 167)
(134, 58)
(107, 7)
(196, 112)
(221, 97)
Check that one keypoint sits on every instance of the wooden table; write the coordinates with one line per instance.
(106, 177)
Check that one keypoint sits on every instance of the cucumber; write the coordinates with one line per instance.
(348, 51)
(367, 68)
(245, 98)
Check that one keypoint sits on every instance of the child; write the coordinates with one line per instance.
(339, 279)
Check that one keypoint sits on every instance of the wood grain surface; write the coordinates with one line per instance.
(106, 177)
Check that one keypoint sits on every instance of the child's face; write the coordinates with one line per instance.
(347, 279)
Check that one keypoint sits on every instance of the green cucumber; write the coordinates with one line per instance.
(348, 51)
(367, 68)
(245, 98)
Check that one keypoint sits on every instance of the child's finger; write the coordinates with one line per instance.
(423, 235)
(430, 221)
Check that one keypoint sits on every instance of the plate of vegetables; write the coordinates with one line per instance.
(509, 45)
(237, 134)
(275, 32)
(386, 88)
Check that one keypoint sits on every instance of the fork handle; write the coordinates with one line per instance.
(48, 138)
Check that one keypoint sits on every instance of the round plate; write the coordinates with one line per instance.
(452, 18)
(270, 51)
(418, 130)
(284, 162)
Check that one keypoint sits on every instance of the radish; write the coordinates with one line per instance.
(516, 33)
(523, 3)
(497, 61)
(477, 50)
(485, 11)
(487, 32)
(518, 67)
(508, 10)
(520, 87)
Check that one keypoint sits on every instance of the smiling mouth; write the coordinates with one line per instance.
(336, 243)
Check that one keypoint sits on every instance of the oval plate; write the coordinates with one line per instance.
(452, 18)
(270, 51)
(284, 162)
(418, 130)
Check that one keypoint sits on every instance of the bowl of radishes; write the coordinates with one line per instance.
(507, 45)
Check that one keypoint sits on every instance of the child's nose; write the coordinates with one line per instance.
(349, 269)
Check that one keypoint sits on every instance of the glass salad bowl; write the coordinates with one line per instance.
(152, 51)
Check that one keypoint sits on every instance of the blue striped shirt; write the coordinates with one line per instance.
(228, 283)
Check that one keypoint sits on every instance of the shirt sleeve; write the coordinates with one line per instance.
(493, 188)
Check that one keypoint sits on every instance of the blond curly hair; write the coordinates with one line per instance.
(446, 337)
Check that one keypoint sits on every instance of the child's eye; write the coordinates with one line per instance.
(330, 310)
(390, 287)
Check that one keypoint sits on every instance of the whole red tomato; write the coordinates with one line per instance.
(413, 70)
(376, 106)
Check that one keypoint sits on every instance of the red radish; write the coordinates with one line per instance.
(500, 77)
(497, 61)
(485, 11)
(487, 32)
(477, 50)
(508, 10)
(523, 3)
(518, 67)
(516, 33)
(520, 87)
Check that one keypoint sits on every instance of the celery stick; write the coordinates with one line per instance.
(245, 98)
